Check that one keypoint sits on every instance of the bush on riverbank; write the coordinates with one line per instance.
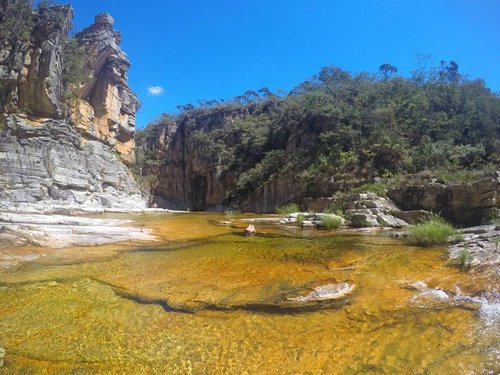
(287, 209)
(433, 232)
(332, 221)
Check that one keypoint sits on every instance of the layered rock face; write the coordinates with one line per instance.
(187, 178)
(462, 204)
(106, 107)
(64, 144)
(46, 164)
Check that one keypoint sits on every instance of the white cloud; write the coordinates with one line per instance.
(155, 90)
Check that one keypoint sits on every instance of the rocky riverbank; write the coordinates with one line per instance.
(478, 249)
(57, 231)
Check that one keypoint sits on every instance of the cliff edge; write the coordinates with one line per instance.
(67, 115)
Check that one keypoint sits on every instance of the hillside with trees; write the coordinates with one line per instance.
(335, 131)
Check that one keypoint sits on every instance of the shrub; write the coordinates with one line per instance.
(378, 188)
(433, 232)
(300, 219)
(332, 221)
(16, 21)
(288, 209)
(464, 259)
(146, 182)
(73, 73)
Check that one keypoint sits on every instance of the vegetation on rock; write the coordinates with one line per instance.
(287, 209)
(433, 232)
(16, 21)
(332, 221)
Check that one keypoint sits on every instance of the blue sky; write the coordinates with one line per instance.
(212, 49)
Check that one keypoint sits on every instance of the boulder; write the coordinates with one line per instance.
(362, 219)
(370, 210)
(413, 216)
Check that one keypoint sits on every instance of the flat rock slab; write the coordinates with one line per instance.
(59, 231)
(480, 246)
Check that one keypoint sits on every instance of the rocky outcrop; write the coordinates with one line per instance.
(365, 210)
(105, 108)
(193, 176)
(63, 140)
(308, 220)
(370, 210)
(478, 247)
(47, 163)
(462, 204)
(34, 76)
(188, 177)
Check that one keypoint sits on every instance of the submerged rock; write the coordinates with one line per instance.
(325, 292)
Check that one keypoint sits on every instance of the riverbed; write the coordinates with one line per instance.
(205, 299)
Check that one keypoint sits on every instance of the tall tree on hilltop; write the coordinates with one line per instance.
(387, 70)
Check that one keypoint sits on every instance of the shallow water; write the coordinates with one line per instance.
(205, 299)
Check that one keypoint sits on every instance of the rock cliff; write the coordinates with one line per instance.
(105, 106)
(64, 140)
(462, 204)
(197, 175)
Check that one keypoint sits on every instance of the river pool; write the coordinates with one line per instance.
(205, 299)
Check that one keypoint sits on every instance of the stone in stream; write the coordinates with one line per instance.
(325, 292)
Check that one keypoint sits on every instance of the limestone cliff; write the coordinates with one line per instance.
(63, 141)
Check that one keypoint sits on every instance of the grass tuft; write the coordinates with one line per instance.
(433, 232)
(300, 219)
(378, 188)
(464, 259)
(332, 222)
(289, 208)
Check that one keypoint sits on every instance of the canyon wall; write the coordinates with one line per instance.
(192, 176)
(65, 141)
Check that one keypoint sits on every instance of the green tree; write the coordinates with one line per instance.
(16, 21)
(387, 70)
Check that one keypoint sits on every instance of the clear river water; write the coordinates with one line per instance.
(205, 299)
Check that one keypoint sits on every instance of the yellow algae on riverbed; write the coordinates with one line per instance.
(208, 300)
